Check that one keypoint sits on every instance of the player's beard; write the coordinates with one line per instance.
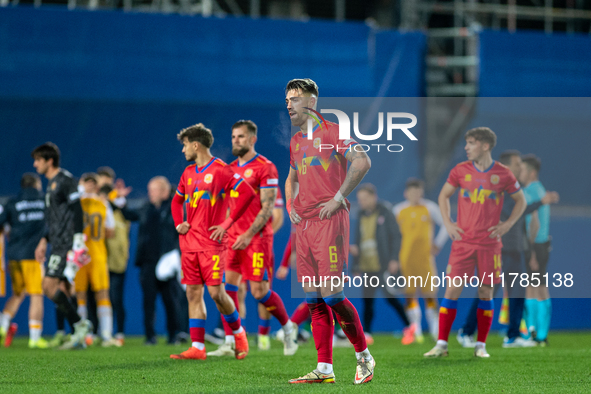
(239, 150)
(192, 157)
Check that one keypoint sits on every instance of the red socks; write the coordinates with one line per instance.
(301, 314)
(197, 330)
(485, 314)
(232, 291)
(447, 315)
(322, 327)
(348, 319)
(275, 306)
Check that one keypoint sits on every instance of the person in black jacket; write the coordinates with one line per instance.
(25, 215)
(157, 236)
(376, 252)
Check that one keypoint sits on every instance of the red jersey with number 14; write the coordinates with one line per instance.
(260, 173)
(321, 166)
(480, 200)
(205, 190)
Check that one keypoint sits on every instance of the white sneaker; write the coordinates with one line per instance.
(78, 339)
(280, 335)
(518, 342)
(480, 351)
(263, 342)
(364, 371)
(290, 341)
(225, 349)
(112, 342)
(464, 340)
(437, 351)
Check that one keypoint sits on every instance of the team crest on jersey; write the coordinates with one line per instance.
(316, 142)
(248, 173)
(208, 178)
(468, 178)
(494, 179)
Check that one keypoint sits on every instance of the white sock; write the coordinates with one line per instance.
(441, 343)
(287, 327)
(238, 331)
(82, 311)
(432, 315)
(324, 368)
(364, 354)
(105, 318)
(35, 329)
(198, 345)
(5, 319)
(415, 316)
(480, 344)
(230, 339)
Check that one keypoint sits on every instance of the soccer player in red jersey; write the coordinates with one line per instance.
(319, 181)
(477, 234)
(203, 190)
(250, 240)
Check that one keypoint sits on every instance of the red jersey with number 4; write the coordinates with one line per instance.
(321, 166)
(480, 200)
(204, 190)
(260, 173)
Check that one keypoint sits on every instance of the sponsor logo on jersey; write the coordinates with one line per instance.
(494, 179)
(468, 178)
(209, 178)
(248, 173)
(297, 147)
(190, 180)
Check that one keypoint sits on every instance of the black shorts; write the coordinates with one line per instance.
(56, 264)
(542, 252)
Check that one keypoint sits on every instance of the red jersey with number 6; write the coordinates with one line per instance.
(480, 201)
(320, 162)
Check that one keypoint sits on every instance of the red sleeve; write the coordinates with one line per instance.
(341, 146)
(286, 254)
(292, 163)
(177, 202)
(279, 203)
(454, 177)
(269, 177)
(512, 185)
(245, 193)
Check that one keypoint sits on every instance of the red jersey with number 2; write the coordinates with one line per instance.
(204, 190)
(480, 201)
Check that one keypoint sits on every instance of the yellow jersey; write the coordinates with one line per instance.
(417, 224)
(98, 216)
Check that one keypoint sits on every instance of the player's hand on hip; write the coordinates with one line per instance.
(455, 233)
(217, 234)
(41, 250)
(499, 230)
(282, 273)
(435, 250)
(183, 228)
(294, 217)
(328, 208)
(242, 241)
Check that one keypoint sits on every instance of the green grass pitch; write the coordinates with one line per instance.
(564, 366)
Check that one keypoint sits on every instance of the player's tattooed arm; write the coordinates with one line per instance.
(268, 196)
(360, 164)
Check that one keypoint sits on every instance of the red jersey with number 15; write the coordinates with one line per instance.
(260, 173)
(321, 166)
(480, 201)
(205, 190)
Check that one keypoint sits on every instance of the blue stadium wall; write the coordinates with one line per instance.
(113, 88)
